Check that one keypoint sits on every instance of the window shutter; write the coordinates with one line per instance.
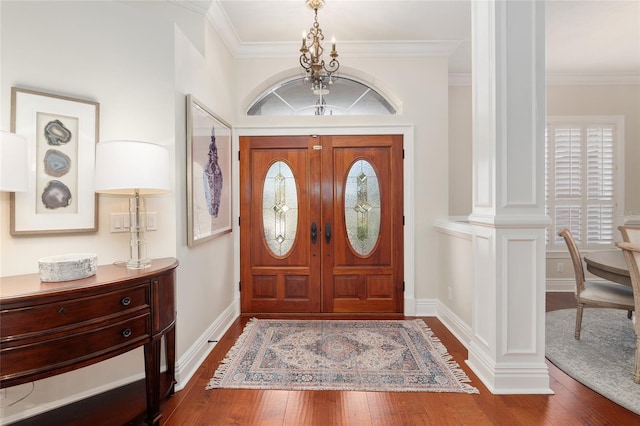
(600, 185)
(568, 165)
(581, 182)
(568, 181)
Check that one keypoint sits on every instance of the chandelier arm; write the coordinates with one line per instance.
(333, 66)
(305, 62)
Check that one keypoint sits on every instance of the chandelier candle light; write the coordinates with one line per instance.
(311, 60)
(133, 168)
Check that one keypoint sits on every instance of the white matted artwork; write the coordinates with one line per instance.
(208, 174)
(61, 134)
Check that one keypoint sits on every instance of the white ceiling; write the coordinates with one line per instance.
(582, 36)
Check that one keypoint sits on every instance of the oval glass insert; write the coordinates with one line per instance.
(362, 207)
(280, 208)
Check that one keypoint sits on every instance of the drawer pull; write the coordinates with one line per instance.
(126, 332)
(62, 311)
(126, 301)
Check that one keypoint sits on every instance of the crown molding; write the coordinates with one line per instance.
(199, 6)
(352, 49)
(222, 25)
(592, 79)
(568, 79)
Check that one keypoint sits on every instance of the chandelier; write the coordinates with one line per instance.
(317, 71)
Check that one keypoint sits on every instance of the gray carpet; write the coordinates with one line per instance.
(603, 357)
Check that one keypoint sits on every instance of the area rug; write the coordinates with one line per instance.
(603, 357)
(358, 355)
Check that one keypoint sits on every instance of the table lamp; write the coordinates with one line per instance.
(133, 168)
(13, 162)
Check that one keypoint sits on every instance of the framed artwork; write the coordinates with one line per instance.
(208, 174)
(61, 134)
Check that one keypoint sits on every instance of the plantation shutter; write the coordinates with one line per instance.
(568, 181)
(581, 182)
(600, 185)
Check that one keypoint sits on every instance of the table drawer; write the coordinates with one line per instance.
(25, 322)
(74, 350)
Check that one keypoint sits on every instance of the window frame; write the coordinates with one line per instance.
(297, 82)
(584, 122)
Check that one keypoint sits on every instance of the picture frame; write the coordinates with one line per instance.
(61, 134)
(209, 202)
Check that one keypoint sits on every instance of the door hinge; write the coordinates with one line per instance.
(238, 155)
(403, 154)
(403, 286)
(238, 220)
(239, 285)
(403, 220)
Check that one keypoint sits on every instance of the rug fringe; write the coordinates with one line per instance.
(453, 366)
(215, 381)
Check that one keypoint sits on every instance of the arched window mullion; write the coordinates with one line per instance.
(294, 97)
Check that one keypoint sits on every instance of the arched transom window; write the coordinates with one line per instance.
(343, 97)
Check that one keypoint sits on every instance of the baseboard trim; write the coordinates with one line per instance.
(191, 360)
(52, 405)
(563, 285)
(505, 378)
(426, 307)
(460, 329)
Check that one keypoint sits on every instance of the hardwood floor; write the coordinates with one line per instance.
(572, 403)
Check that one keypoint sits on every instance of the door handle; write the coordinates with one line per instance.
(327, 232)
(314, 232)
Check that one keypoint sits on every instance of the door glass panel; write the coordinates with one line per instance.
(362, 207)
(280, 208)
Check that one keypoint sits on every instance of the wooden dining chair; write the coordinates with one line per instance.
(632, 255)
(603, 294)
(630, 233)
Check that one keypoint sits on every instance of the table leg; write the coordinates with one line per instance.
(152, 380)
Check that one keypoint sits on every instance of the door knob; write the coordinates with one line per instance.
(314, 232)
(327, 232)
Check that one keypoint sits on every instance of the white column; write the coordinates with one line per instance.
(509, 220)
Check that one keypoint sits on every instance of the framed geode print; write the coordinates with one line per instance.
(208, 174)
(61, 134)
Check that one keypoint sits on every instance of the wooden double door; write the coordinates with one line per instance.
(321, 224)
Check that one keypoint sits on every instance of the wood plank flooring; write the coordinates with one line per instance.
(572, 403)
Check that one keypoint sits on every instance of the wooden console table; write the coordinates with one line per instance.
(51, 328)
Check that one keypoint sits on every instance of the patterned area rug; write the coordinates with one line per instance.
(359, 355)
(603, 357)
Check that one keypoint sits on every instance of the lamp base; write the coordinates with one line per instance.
(137, 227)
(138, 263)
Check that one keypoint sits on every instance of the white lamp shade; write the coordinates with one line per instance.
(124, 167)
(14, 165)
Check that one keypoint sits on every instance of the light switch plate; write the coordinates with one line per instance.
(120, 222)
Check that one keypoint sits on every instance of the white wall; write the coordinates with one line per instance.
(138, 60)
(206, 284)
(460, 150)
(42, 49)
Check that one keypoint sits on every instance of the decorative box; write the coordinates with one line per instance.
(67, 267)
